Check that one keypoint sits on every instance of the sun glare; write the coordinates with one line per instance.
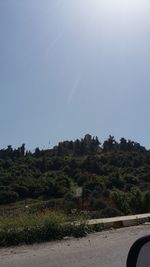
(119, 8)
(121, 13)
(126, 7)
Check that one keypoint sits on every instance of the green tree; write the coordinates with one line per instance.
(8, 197)
(122, 201)
(136, 200)
(146, 202)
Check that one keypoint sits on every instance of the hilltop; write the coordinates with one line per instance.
(113, 178)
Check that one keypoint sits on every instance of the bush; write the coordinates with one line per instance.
(22, 191)
(31, 228)
(8, 197)
(146, 202)
(122, 201)
(98, 204)
(110, 212)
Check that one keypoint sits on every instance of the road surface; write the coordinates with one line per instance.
(104, 249)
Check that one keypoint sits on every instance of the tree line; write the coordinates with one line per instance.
(114, 176)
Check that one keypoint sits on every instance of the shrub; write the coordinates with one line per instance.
(8, 197)
(30, 228)
(37, 228)
(110, 212)
(98, 204)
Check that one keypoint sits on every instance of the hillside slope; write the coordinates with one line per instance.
(114, 177)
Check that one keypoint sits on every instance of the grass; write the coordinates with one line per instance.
(30, 228)
(38, 227)
(33, 206)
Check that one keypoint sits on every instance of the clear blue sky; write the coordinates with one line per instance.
(71, 67)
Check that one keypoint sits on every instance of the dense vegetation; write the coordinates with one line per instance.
(40, 227)
(114, 176)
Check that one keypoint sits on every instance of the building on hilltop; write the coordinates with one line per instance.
(87, 138)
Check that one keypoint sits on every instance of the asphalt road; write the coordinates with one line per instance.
(105, 249)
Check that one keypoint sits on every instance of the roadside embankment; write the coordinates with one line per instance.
(35, 229)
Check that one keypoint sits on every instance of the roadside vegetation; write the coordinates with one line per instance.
(38, 227)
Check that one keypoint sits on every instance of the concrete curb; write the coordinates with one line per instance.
(118, 222)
